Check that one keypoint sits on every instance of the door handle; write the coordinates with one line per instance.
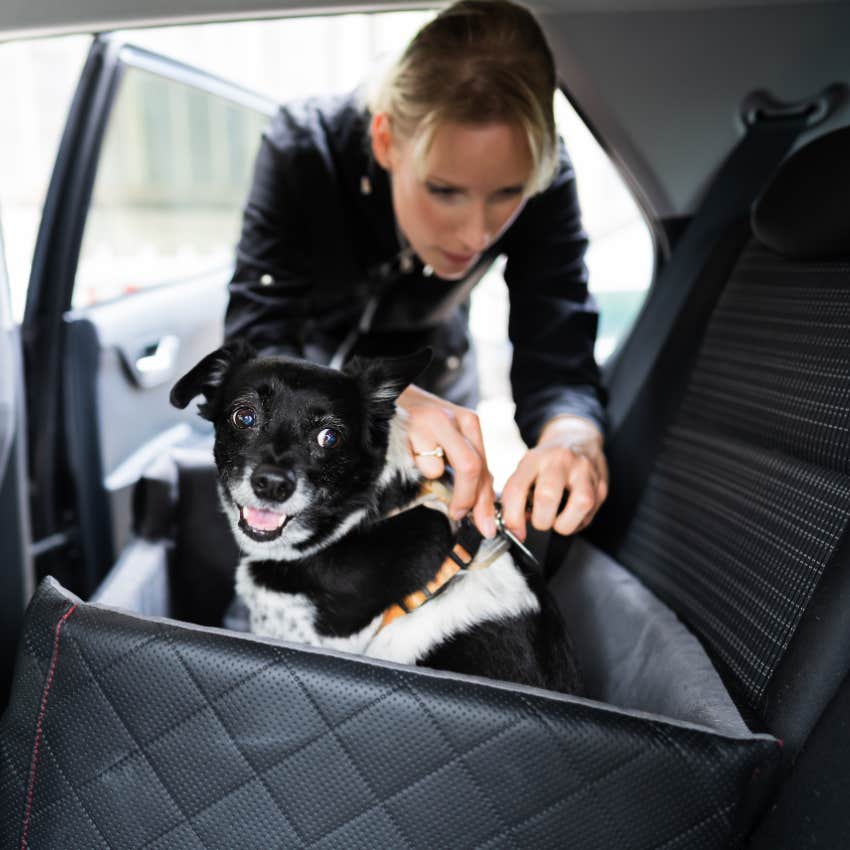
(157, 362)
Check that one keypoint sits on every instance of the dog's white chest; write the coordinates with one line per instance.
(498, 592)
(292, 617)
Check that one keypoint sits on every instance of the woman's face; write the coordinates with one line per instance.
(466, 193)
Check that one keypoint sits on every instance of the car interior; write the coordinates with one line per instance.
(709, 601)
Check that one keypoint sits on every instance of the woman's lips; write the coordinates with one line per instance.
(458, 259)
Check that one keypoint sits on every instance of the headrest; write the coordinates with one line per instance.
(802, 213)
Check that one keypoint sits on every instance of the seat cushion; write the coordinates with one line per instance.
(635, 653)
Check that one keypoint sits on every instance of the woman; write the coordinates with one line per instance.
(367, 226)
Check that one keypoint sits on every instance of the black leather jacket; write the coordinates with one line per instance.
(319, 241)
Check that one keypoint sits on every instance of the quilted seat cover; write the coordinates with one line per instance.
(131, 732)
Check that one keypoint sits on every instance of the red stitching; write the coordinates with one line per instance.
(39, 722)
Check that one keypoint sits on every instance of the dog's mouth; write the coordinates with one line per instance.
(260, 524)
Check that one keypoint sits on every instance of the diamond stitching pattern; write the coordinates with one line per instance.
(587, 763)
(74, 794)
(723, 814)
(224, 726)
(146, 758)
(580, 792)
(468, 771)
(423, 779)
(607, 817)
(339, 741)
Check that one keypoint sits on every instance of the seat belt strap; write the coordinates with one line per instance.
(738, 182)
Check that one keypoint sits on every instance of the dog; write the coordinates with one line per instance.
(326, 503)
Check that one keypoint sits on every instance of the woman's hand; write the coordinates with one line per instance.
(437, 424)
(568, 456)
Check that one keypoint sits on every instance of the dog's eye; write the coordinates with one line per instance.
(244, 417)
(327, 438)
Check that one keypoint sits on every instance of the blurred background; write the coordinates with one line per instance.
(177, 163)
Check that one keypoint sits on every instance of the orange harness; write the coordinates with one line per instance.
(436, 495)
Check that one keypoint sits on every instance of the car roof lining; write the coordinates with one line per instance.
(19, 18)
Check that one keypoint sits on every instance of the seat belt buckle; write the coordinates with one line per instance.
(517, 546)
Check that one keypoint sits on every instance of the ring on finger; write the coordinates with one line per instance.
(435, 452)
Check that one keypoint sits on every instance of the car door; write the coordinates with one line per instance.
(128, 288)
(16, 578)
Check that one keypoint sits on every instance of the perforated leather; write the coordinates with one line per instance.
(130, 732)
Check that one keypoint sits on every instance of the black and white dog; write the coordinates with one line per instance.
(317, 479)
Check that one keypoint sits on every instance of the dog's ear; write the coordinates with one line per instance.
(206, 377)
(384, 379)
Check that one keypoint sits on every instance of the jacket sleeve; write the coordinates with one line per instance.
(270, 291)
(553, 317)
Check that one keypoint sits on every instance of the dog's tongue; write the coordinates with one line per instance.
(263, 520)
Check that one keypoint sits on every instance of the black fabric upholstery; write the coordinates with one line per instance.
(811, 813)
(803, 213)
(749, 495)
(817, 660)
(131, 732)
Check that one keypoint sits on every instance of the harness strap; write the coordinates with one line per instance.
(458, 559)
(463, 556)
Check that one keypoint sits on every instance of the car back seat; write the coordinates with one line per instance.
(128, 730)
(742, 525)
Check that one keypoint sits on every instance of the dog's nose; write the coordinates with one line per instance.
(272, 482)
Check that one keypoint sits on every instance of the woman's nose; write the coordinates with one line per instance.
(476, 231)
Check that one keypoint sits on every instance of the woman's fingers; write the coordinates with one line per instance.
(547, 496)
(476, 483)
(583, 501)
(484, 511)
(428, 454)
(542, 477)
(516, 492)
(443, 434)
(457, 432)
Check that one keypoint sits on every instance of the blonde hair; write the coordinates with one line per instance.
(477, 62)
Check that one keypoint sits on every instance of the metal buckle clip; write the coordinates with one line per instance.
(502, 529)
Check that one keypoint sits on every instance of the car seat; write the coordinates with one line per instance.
(740, 524)
(126, 729)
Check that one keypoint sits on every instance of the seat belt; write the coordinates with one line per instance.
(738, 182)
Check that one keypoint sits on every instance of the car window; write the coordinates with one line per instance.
(172, 176)
(38, 78)
(621, 252)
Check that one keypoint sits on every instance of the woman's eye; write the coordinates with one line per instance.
(509, 193)
(327, 438)
(441, 191)
(244, 417)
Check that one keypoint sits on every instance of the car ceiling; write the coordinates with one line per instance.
(659, 81)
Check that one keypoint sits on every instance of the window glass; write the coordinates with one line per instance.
(37, 82)
(176, 162)
(621, 253)
(292, 57)
(172, 178)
